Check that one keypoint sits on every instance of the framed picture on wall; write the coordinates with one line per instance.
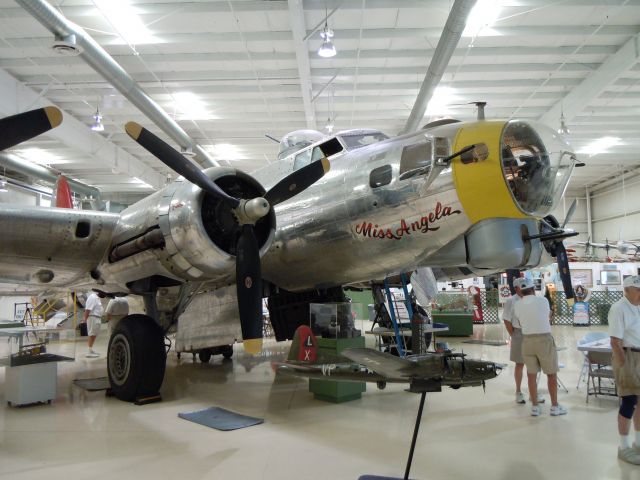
(582, 277)
(610, 277)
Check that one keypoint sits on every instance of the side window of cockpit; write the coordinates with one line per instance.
(302, 160)
(317, 154)
(380, 176)
(415, 160)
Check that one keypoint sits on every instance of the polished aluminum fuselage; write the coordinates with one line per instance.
(330, 234)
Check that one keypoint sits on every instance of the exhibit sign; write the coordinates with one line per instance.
(582, 277)
(581, 313)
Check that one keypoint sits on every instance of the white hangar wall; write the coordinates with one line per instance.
(615, 210)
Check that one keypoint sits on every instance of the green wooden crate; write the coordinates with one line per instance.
(332, 391)
(460, 324)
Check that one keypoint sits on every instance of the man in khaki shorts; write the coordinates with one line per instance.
(538, 347)
(512, 324)
(624, 328)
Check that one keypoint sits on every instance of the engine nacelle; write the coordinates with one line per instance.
(183, 233)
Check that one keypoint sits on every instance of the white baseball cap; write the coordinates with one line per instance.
(523, 283)
(632, 281)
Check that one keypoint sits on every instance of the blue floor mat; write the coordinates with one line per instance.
(221, 419)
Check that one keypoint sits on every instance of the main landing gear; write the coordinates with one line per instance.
(136, 358)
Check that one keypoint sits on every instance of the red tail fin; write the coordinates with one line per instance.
(63, 193)
(304, 347)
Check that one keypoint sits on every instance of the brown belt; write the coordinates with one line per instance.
(631, 349)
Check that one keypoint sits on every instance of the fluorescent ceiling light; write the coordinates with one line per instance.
(482, 18)
(441, 100)
(40, 156)
(140, 182)
(601, 145)
(190, 107)
(225, 151)
(125, 21)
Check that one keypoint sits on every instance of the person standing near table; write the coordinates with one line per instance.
(93, 318)
(538, 346)
(512, 325)
(624, 329)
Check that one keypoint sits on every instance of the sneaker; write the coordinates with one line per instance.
(629, 455)
(92, 355)
(558, 410)
(535, 411)
(520, 398)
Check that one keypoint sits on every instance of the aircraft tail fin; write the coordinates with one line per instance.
(304, 346)
(63, 193)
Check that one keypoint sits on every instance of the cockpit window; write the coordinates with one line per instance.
(537, 165)
(361, 138)
(302, 159)
(415, 160)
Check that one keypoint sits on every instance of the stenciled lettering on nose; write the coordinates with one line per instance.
(424, 224)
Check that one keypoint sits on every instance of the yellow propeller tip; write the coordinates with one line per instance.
(133, 129)
(252, 346)
(54, 115)
(326, 165)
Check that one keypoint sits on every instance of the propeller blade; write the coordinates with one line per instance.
(249, 289)
(297, 181)
(175, 161)
(512, 274)
(572, 209)
(24, 126)
(563, 270)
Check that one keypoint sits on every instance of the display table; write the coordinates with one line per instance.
(460, 324)
(30, 356)
(332, 391)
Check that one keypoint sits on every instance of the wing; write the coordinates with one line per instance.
(44, 248)
(382, 363)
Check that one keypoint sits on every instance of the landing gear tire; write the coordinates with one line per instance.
(204, 355)
(136, 358)
(227, 351)
(381, 385)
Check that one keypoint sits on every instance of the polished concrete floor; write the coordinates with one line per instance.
(465, 434)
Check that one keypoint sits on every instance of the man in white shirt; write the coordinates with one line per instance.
(538, 346)
(624, 328)
(512, 325)
(117, 309)
(93, 317)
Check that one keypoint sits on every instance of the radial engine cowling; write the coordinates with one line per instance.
(184, 233)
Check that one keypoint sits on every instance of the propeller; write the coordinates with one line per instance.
(572, 209)
(247, 213)
(24, 126)
(551, 227)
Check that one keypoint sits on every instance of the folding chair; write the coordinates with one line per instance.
(600, 370)
(588, 338)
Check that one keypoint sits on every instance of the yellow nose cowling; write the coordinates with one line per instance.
(481, 186)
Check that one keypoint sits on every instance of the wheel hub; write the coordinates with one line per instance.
(119, 359)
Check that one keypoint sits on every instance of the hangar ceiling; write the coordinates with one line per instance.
(230, 72)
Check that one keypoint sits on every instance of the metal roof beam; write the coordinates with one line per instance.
(299, 31)
(592, 86)
(16, 98)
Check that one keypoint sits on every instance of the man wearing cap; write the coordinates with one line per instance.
(624, 329)
(538, 346)
(512, 324)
